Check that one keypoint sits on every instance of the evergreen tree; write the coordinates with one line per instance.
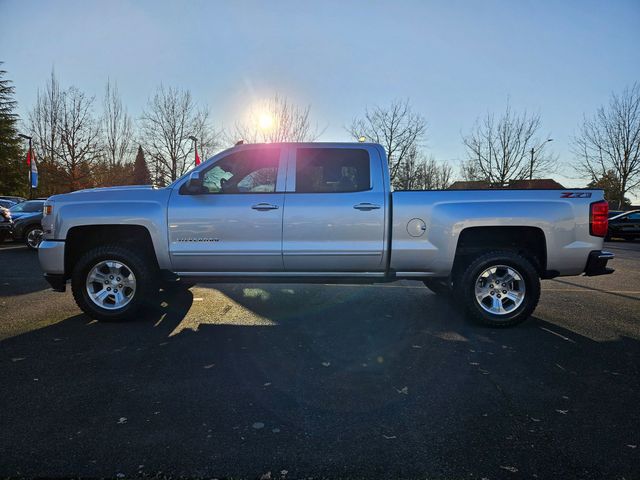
(13, 168)
(141, 175)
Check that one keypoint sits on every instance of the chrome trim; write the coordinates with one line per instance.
(223, 254)
(281, 274)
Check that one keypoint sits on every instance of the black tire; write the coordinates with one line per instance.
(465, 288)
(439, 286)
(26, 236)
(142, 267)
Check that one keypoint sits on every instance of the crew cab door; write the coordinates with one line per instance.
(235, 223)
(334, 216)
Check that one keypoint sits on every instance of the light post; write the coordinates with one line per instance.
(533, 151)
(27, 137)
(195, 145)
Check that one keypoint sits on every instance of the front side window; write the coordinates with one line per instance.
(326, 170)
(248, 171)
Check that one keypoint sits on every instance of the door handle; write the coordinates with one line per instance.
(366, 206)
(264, 207)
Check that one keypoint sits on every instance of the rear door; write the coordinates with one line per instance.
(334, 216)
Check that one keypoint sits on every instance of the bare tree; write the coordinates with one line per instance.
(117, 128)
(420, 173)
(609, 143)
(44, 120)
(170, 118)
(79, 134)
(397, 128)
(276, 120)
(500, 150)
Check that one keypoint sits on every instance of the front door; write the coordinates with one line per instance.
(235, 223)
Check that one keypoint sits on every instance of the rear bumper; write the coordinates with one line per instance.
(597, 263)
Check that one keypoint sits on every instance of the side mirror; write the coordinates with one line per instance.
(194, 184)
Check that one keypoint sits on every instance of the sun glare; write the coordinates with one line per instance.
(265, 121)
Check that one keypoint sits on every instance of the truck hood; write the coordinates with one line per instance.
(122, 193)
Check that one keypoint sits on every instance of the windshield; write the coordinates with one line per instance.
(28, 207)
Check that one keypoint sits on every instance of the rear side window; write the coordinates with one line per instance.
(332, 170)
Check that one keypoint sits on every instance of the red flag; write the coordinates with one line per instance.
(197, 156)
(29, 157)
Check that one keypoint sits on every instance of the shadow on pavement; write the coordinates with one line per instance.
(20, 271)
(335, 380)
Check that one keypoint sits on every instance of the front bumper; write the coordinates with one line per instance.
(51, 256)
(597, 263)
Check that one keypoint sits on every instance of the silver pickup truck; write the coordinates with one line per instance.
(318, 212)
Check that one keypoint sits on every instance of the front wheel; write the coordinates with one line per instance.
(113, 282)
(499, 289)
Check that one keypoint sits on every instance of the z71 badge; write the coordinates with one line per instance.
(575, 195)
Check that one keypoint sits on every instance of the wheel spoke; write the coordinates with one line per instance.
(514, 297)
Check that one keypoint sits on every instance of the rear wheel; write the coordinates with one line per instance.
(33, 237)
(499, 288)
(113, 282)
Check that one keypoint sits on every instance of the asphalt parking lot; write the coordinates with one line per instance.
(320, 381)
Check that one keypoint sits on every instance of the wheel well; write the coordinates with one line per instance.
(81, 239)
(527, 241)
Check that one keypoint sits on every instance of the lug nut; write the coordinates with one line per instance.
(491, 286)
(111, 277)
(499, 296)
(491, 292)
(115, 290)
(118, 279)
(504, 291)
(120, 286)
(504, 284)
(108, 289)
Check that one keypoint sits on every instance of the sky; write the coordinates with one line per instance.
(455, 61)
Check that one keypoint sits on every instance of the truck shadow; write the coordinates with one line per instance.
(317, 380)
(20, 272)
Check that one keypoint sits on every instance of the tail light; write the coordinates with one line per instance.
(599, 219)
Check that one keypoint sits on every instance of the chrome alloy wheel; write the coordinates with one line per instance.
(34, 237)
(111, 284)
(500, 289)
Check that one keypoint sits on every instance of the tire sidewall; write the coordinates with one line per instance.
(523, 267)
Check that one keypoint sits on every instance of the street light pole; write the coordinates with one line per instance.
(27, 137)
(533, 151)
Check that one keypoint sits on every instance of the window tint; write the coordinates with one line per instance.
(321, 170)
(249, 171)
(634, 216)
